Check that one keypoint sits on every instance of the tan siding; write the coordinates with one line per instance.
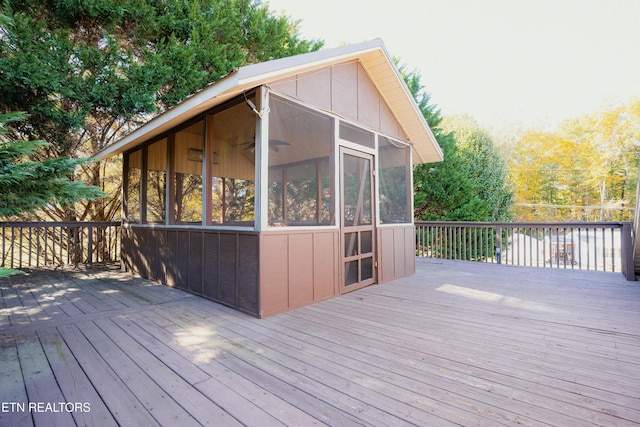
(386, 267)
(409, 250)
(300, 269)
(325, 272)
(348, 91)
(297, 268)
(368, 101)
(344, 90)
(313, 86)
(388, 124)
(396, 254)
(274, 274)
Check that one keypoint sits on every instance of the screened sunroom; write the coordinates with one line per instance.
(285, 183)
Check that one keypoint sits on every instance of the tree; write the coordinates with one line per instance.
(29, 185)
(586, 169)
(87, 72)
(487, 166)
(463, 187)
(547, 170)
(610, 146)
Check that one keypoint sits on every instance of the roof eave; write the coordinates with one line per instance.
(190, 107)
(248, 77)
(422, 153)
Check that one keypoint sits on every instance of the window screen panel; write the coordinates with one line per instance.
(394, 168)
(300, 166)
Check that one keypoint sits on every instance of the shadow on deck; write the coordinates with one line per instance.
(457, 343)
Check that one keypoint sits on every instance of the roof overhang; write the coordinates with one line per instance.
(373, 57)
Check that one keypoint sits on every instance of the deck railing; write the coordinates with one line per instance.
(35, 244)
(600, 246)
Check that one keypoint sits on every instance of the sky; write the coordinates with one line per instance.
(507, 63)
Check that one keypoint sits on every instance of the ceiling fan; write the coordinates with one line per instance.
(274, 144)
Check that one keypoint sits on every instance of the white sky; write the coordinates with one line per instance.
(505, 62)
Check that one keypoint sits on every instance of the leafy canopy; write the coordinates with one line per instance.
(88, 71)
(585, 170)
(471, 183)
(28, 185)
(487, 167)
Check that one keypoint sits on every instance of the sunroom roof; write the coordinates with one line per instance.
(372, 55)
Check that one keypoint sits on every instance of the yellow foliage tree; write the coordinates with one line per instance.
(613, 138)
(586, 170)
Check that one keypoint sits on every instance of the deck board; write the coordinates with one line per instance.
(13, 389)
(123, 404)
(230, 372)
(41, 385)
(449, 363)
(515, 344)
(341, 386)
(457, 343)
(183, 400)
(74, 384)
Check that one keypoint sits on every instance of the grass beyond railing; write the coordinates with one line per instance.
(601, 246)
(35, 244)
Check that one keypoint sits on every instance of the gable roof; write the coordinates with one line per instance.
(372, 55)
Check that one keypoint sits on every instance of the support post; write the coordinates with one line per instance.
(626, 252)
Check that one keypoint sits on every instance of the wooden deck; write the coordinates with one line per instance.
(458, 343)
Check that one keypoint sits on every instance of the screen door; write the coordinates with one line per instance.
(358, 222)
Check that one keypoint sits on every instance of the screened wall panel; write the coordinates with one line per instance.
(394, 162)
(356, 134)
(187, 180)
(132, 191)
(300, 185)
(156, 178)
(233, 165)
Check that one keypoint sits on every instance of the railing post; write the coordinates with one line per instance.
(90, 245)
(626, 252)
(4, 256)
(499, 244)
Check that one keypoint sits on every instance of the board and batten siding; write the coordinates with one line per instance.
(298, 268)
(346, 90)
(396, 252)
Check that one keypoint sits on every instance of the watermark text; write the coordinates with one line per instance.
(53, 407)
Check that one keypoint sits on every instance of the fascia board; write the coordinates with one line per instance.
(421, 154)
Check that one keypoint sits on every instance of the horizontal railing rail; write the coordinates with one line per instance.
(600, 246)
(36, 244)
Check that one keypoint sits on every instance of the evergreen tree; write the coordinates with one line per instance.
(487, 166)
(445, 190)
(87, 72)
(28, 185)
